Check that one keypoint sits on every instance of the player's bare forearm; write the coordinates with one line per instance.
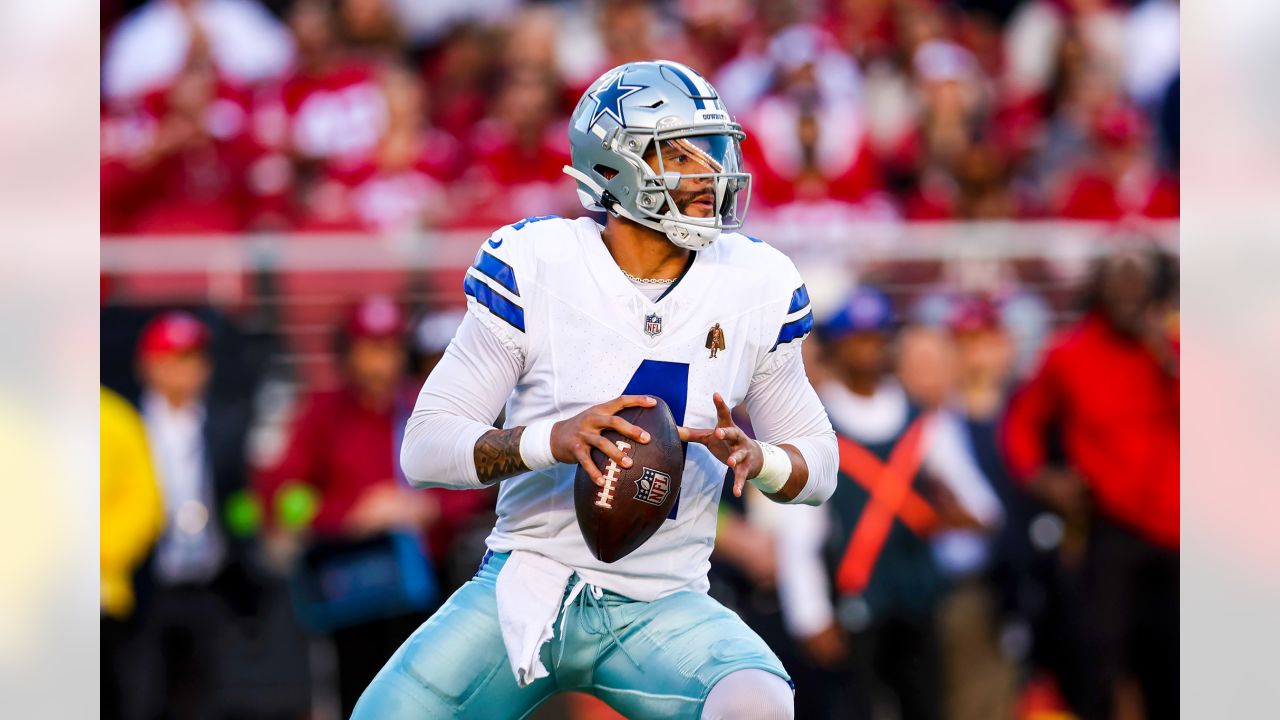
(497, 455)
(795, 483)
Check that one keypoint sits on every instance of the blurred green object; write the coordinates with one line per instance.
(243, 513)
(296, 506)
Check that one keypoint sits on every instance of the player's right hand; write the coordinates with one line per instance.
(573, 438)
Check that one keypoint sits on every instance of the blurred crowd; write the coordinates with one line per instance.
(394, 115)
(1003, 542)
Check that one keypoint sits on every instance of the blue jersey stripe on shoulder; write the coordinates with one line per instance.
(753, 239)
(694, 92)
(498, 305)
(799, 299)
(794, 329)
(498, 270)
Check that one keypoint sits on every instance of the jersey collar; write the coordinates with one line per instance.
(690, 284)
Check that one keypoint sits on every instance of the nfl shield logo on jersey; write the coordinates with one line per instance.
(652, 324)
(652, 486)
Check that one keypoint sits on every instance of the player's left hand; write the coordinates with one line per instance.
(729, 444)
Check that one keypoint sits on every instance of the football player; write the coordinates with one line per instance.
(568, 323)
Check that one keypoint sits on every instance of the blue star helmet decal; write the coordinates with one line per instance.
(609, 99)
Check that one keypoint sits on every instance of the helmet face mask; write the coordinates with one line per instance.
(694, 165)
(652, 141)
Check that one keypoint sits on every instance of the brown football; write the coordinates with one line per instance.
(617, 518)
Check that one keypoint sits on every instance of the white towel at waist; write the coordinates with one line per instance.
(530, 590)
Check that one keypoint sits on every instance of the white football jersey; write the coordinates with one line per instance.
(551, 292)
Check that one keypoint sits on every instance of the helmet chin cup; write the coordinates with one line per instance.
(689, 237)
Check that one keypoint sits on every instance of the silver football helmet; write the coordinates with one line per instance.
(652, 142)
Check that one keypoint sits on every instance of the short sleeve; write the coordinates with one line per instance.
(496, 287)
(788, 321)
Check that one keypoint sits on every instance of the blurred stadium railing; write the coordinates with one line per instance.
(294, 287)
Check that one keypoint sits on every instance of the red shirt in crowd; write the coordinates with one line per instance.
(1117, 412)
(374, 195)
(509, 181)
(341, 448)
(844, 169)
(331, 115)
(205, 179)
(1092, 196)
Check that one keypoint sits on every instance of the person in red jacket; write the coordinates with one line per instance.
(1108, 390)
(343, 453)
(343, 441)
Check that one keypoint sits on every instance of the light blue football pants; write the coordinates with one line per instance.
(646, 659)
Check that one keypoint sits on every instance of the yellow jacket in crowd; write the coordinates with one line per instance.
(132, 513)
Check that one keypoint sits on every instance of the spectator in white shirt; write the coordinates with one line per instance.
(151, 44)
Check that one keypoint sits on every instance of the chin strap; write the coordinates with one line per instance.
(685, 235)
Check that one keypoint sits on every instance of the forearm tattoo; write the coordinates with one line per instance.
(498, 455)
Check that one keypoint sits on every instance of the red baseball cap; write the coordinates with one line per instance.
(171, 333)
(377, 316)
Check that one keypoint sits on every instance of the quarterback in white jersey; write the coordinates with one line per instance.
(569, 322)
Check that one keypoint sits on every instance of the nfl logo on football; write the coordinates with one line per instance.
(652, 324)
(652, 486)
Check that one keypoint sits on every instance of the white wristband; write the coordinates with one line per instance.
(775, 471)
(535, 445)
